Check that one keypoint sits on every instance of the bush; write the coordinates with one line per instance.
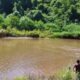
(1, 20)
(12, 21)
(51, 27)
(2, 33)
(73, 27)
(26, 23)
(66, 35)
(39, 25)
(33, 34)
(15, 32)
(66, 75)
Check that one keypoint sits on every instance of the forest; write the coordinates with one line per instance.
(40, 18)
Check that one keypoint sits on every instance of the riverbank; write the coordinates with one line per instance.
(39, 34)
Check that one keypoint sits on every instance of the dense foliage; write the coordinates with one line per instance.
(43, 15)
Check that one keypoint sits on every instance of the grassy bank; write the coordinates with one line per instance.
(39, 34)
(16, 33)
(66, 35)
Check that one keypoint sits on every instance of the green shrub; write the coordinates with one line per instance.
(51, 27)
(68, 35)
(12, 21)
(39, 25)
(66, 75)
(26, 23)
(2, 33)
(1, 20)
(34, 34)
(73, 27)
(15, 32)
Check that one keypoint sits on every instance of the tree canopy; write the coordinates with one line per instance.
(26, 14)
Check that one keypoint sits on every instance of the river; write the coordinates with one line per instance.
(20, 56)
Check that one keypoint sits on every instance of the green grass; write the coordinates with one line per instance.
(66, 75)
(21, 78)
(62, 75)
(17, 33)
(13, 32)
(66, 35)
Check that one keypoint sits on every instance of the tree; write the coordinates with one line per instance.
(17, 9)
(12, 21)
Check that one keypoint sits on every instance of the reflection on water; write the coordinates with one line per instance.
(36, 56)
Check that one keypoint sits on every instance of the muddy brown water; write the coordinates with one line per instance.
(36, 56)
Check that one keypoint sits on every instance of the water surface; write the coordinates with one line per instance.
(36, 56)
